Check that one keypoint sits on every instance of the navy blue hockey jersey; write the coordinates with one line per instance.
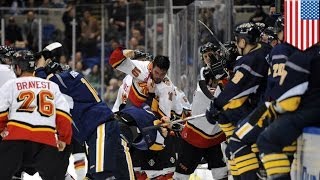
(144, 117)
(249, 80)
(277, 59)
(299, 81)
(88, 111)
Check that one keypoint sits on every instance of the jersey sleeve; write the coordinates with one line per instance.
(249, 74)
(161, 104)
(126, 65)
(294, 82)
(63, 117)
(40, 72)
(5, 96)
(118, 101)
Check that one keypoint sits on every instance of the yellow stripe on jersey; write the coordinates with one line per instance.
(244, 130)
(272, 157)
(29, 128)
(116, 64)
(64, 114)
(254, 148)
(290, 104)
(100, 148)
(4, 115)
(154, 105)
(156, 147)
(233, 168)
(246, 163)
(290, 149)
(228, 128)
(128, 159)
(276, 164)
(137, 93)
(235, 103)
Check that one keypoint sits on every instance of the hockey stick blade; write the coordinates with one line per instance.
(215, 37)
(172, 122)
(52, 46)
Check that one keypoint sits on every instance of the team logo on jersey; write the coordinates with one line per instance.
(4, 133)
(172, 160)
(166, 81)
(144, 87)
(170, 96)
(74, 74)
(151, 162)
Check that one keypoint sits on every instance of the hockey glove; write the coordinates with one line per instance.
(263, 114)
(212, 114)
(177, 128)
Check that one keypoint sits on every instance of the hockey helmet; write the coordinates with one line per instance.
(270, 33)
(279, 24)
(6, 53)
(208, 47)
(248, 31)
(25, 60)
(232, 56)
(261, 26)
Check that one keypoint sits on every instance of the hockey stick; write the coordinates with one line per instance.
(47, 51)
(52, 46)
(172, 122)
(215, 37)
(204, 88)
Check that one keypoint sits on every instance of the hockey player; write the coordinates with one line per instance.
(149, 97)
(94, 123)
(6, 72)
(123, 93)
(201, 139)
(297, 102)
(242, 94)
(249, 128)
(269, 36)
(35, 123)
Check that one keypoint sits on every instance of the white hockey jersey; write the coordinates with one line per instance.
(34, 109)
(123, 93)
(141, 72)
(179, 103)
(199, 132)
(6, 73)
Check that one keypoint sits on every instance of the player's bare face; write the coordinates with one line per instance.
(158, 74)
(206, 57)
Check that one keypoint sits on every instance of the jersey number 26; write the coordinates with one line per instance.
(44, 106)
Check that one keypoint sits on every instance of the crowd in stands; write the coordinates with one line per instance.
(88, 32)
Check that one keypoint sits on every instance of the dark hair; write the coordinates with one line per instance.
(161, 62)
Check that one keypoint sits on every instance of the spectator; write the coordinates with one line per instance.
(79, 67)
(63, 60)
(13, 32)
(259, 15)
(30, 31)
(133, 43)
(137, 34)
(90, 34)
(136, 10)
(58, 4)
(94, 78)
(67, 19)
(112, 91)
(118, 16)
(271, 18)
(16, 4)
(46, 4)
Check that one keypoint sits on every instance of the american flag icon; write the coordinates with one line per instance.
(302, 23)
